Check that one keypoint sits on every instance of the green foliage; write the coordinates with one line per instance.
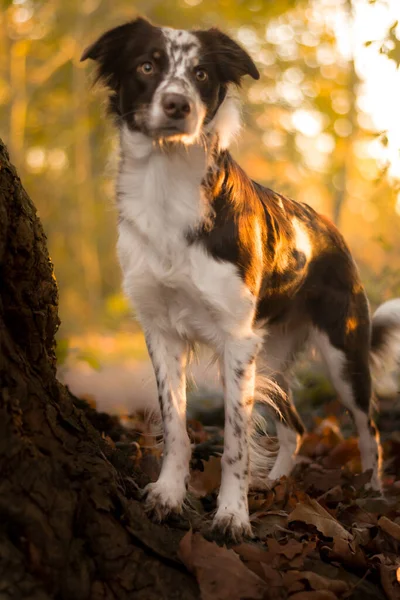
(66, 355)
(391, 46)
(62, 351)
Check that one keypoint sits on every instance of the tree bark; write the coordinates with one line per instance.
(71, 523)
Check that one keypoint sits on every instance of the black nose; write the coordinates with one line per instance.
(176, 106)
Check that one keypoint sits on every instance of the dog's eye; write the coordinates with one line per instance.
(146, 68)
(201, 75)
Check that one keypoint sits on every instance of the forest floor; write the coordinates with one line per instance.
(319, 535)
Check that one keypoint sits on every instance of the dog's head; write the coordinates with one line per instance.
(168, 83)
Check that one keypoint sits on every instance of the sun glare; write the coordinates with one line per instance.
(380, 91)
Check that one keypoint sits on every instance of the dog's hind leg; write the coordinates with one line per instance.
(343, 335)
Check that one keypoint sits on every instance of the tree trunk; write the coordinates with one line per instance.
(71, 524)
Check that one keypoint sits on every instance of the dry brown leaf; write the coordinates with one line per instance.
(204, 482)
(342, 453)
(333, 495)
(312, 513)
(250, 552)
(298, 580)
(379, 505)
(196, 431)
(220, 573)
(321, 479)
(390, 527)
(289, 550)
(261, 501)
(318, 582)
(278, 557)
(346, 552)
(266, 523)
(362, 535)
(309, 444)
(348, 515)
(389, 581)
(281, 491)
(150, 464)
(271, 575)
(256, 567)
(319, 595)
(295, 497)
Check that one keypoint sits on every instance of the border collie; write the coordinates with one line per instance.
(210, 256)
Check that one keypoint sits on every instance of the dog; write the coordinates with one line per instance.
(209, 256)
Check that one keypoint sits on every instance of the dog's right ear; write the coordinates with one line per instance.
(112, 49)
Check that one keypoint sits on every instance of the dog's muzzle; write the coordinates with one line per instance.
(175, 113)
(176, 106)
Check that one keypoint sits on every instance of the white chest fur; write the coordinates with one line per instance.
(171, 284)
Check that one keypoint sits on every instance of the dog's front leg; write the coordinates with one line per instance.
(232, 517)
(169, 355)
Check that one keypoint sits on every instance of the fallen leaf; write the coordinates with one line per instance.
(346, 552)
(358, 481)
(185, 550)
(220, 573)
(273, 578)
(389, 527)
(289, 550)
(277, 556)
(320, 479)
(251, 552)
(319, 582)
(261, 501)
(389, 581)
(267, 523)
(333, 495)
(319, 595)
(342, 453)
(196, 431)
(312, 513)
(362, 535)
(204, 482)
(150, 464)
(281, 491)
(377, 505)
(309, 444)
(348, 515)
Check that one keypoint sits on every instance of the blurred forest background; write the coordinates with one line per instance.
(322, 125)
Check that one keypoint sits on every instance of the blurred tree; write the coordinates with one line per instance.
(305, 110)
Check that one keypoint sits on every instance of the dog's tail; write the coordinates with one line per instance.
(263, 450)
(385, 348)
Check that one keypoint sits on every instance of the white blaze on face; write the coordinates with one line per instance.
(183, 49)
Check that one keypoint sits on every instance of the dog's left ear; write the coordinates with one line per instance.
(232, 61)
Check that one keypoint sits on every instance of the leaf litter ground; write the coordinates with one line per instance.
(319, 534)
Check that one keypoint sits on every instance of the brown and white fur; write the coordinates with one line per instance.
(210, 256)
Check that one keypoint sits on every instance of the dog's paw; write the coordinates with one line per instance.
(230, 527)
(163, 499)
(375, 485)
